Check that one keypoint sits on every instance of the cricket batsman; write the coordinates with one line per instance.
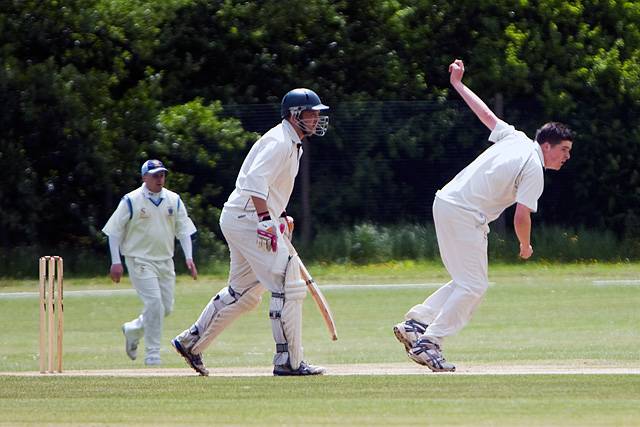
(254, 222)
(508, 172)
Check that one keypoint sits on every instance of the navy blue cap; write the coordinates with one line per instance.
(152, 167)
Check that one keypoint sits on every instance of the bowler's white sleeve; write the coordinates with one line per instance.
(501, 131)
(115, 226)
(263, 170)
(185, 244)
(530, 186)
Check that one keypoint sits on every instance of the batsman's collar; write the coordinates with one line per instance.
(292, 133)
(152, 166)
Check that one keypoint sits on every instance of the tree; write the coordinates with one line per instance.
(202, 150)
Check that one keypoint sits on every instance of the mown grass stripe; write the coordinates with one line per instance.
(616, 282)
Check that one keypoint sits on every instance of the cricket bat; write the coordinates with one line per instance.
(316, 294)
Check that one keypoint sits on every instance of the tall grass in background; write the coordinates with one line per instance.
(22, 262)
(361, 244)
(369, 243)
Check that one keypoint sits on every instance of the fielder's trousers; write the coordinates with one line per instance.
(155, 283)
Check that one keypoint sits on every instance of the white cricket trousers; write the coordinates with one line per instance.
(268, 268)
(249, 265)
(155, 283)
(462, 239)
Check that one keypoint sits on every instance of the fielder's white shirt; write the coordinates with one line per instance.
(269, 170)
(509, 171)
(146, 228)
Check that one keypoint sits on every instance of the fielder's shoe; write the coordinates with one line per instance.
(304, 369)
(130, 344)
(428, 353)
(408, 332)
(183, 343)
(153, 360)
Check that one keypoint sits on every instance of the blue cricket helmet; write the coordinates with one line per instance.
(299, 100)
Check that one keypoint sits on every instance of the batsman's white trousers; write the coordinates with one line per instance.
(462, 239)
(155, 283)
(250, 264)
(252, 271)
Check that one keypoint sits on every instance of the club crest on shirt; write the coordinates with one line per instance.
(170, 210)
(143, 213)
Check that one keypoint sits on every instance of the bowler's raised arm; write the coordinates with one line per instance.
(477, 105)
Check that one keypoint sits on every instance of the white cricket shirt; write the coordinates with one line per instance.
(269, 170)
(148, 229)
(509, 171)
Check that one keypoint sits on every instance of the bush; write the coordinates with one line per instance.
(370, 243)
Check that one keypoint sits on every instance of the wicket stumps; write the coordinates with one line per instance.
(51, 302)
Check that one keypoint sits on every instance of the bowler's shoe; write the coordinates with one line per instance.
(409, 332)
(428, 353)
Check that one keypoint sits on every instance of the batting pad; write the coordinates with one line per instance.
(227, 306)
(287, 325)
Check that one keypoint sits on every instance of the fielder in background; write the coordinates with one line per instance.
(144, 227)
(508, 172)
(254, 223)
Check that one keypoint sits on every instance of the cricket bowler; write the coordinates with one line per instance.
(508, 172)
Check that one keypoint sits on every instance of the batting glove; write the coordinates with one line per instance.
(267, 236)
(286, 226)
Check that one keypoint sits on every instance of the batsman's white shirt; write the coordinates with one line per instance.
(509, 171)
(147, 229)
(269, 171)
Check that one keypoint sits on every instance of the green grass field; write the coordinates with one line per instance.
(541, 315)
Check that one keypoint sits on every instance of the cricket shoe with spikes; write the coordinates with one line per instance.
(183, 344)
(130, 343)
(303, 370)
(428, 353)
(409, 332)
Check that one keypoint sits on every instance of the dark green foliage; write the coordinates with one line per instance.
(363, 244)
(366, 243)
(83, 110)
(89, 89)
(203, 150)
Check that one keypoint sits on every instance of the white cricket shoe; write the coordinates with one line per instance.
(153, 360)
(428, 353)
(130, 343)
(304, 369)
(409, 332)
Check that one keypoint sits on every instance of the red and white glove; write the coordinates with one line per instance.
(286, 226)
(267, 235)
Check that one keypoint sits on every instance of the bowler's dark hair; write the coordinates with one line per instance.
(554, 133)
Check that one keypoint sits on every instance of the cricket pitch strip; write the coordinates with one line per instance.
(570, 368)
